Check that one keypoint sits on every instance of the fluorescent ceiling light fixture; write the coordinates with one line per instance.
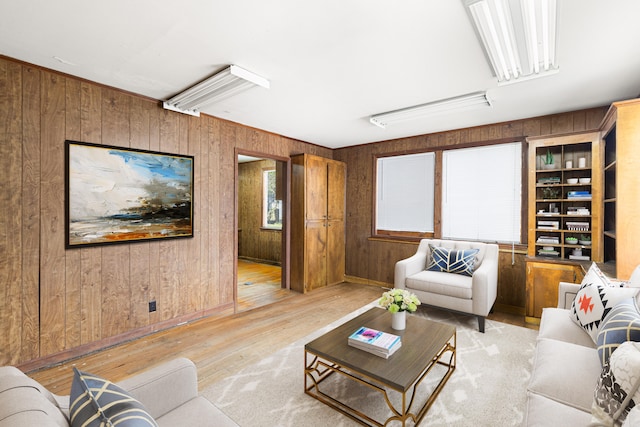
(518, 36)
(228, 82)
(443, 106)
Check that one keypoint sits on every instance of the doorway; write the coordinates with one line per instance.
(262, 230)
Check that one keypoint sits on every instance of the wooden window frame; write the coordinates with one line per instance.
(437, 203)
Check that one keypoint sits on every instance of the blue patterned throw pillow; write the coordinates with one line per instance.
(620, 325)
(452, 260)
(96, 402)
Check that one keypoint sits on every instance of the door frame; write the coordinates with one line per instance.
(286, 225)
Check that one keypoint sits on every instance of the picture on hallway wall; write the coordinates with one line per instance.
(118, 195)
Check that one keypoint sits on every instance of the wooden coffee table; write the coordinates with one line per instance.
(425, 344)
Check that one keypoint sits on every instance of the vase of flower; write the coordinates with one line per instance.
(399, 302)
(399, 320)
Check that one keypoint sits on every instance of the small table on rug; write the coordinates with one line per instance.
(425, 345)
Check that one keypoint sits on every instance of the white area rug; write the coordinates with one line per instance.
(488, 387)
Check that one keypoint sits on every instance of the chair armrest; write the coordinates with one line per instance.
(567, 293)
(408, 267)
(165, 387)
(484, 286)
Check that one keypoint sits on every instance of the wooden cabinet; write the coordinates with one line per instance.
(621, 234)
(542, 285)
(317, 222)
(565, 197)
(564, 214)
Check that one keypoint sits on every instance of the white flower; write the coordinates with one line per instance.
(396, 300)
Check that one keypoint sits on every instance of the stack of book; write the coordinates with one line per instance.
(548, 225)
(549, 180)
(580, 257)
(578, 210)
(578, 195)
(548, 251)
(380, 343)
(548, 239)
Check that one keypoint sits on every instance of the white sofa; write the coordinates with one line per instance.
(565, 370)
(570, 385)
(169, 392)
(472, 295)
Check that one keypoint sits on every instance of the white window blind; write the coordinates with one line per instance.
(405, 190)
(481, 193)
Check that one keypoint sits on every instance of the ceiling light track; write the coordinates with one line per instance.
(443, 106)
(228, 82)
(518, 36)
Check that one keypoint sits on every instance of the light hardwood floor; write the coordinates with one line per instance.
(259, 284)
(268, 319)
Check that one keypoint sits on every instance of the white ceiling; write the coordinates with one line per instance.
(331, 63)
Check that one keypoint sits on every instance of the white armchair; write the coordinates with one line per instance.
(474, 294)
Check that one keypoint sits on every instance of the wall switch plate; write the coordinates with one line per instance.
(152, 306)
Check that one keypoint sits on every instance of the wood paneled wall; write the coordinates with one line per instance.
(254, 242)
(56, 300)
(374, 260)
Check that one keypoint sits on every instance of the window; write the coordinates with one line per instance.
(271, 208)
(481, 189)
(481, 193)
(405, 190)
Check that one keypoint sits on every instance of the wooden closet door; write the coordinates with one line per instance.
(315, 254)
(316, 188)
(335, 252)
(336, 191)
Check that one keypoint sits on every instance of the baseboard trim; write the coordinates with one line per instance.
(509, 309)
(532, 320)
(260, 261)
(363, 281)
(92, 347)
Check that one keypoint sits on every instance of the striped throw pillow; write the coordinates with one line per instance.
(96, 402)
(620, 325)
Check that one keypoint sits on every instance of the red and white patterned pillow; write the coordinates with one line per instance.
(595, 275)
(594, 301)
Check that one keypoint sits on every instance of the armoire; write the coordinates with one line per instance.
(318, 190)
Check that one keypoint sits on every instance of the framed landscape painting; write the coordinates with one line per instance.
(117, 195)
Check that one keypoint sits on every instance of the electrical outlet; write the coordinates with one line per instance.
(152, 306)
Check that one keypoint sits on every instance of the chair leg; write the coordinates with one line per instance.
(481, 324)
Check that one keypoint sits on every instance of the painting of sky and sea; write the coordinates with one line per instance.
(117, 195)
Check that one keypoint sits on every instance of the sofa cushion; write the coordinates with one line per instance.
(193, 412)
(24, 402)
(594, 301)
(448, 260)
(565, 372)
(617, 389)
(97, 402)
(621, 324)
(453, 285)
(556, 323)
(633, 419)
(544, 412)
